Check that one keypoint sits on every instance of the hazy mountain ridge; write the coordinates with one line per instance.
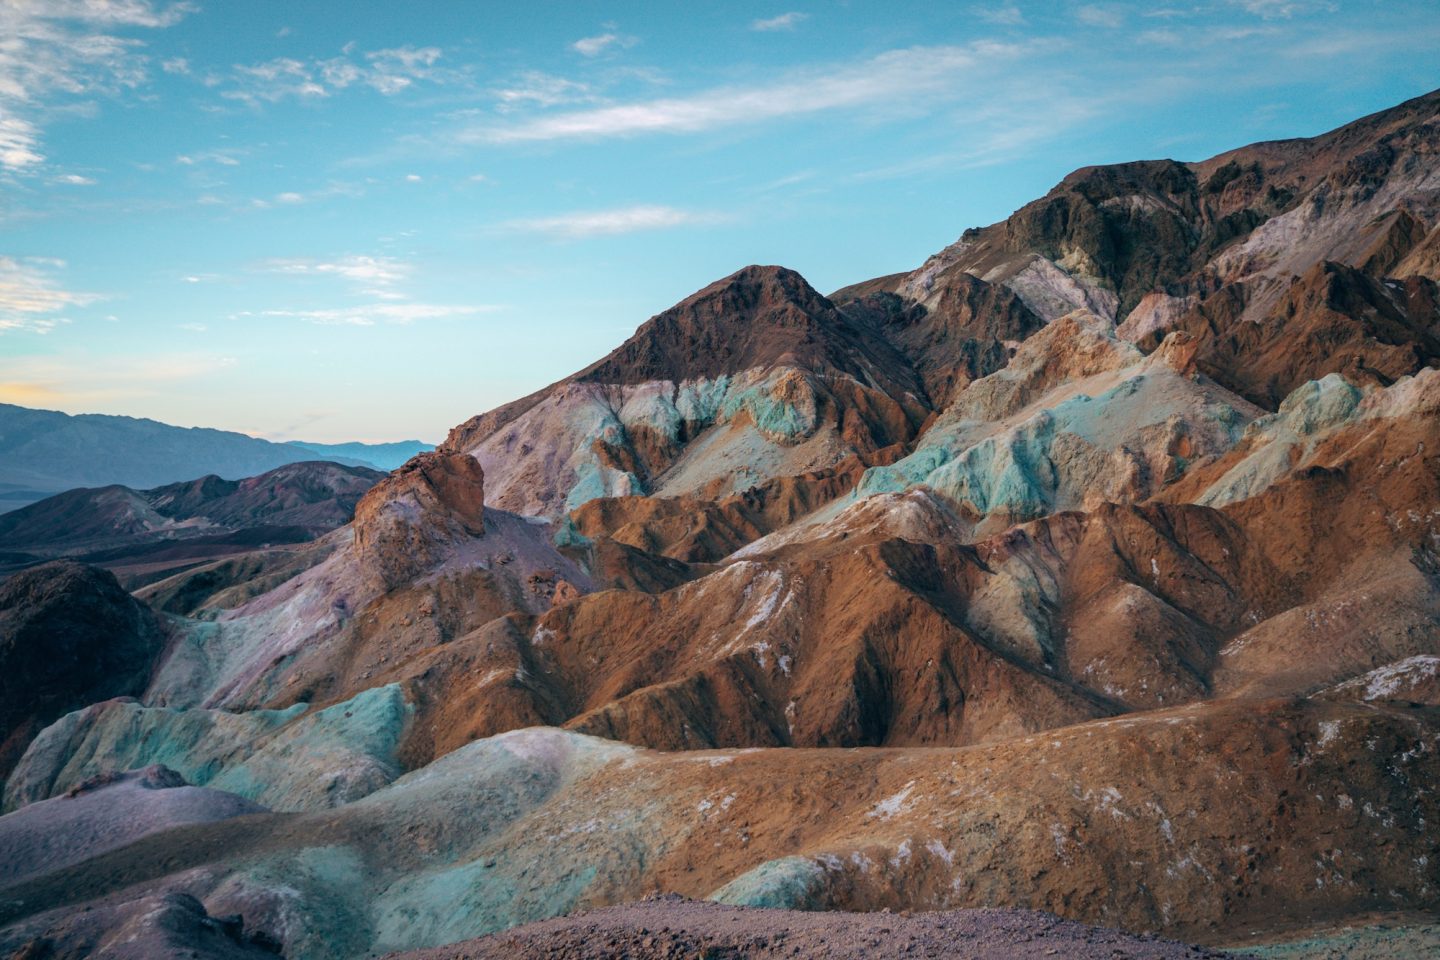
(381, 456)
(45, 452)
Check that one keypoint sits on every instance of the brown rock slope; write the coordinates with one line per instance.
(1333, 319)
(1273, 254)
(881, 626)
(1200, 821)
(423, 505)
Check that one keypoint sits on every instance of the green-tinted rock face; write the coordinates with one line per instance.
(790, 883)
(1116, 444)
(1309, 411)
(1317, 404)
(437, 863)
(282, 759)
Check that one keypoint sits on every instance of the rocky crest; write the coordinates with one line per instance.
(402, 521)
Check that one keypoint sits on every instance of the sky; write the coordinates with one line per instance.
(341, 220)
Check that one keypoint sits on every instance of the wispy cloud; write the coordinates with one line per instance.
(594, 46)
(786, 21)
(380, 278)
(387, 72)
(936, 73)
(74, 180)
(290, 198)
(66, 48)
(596, 223)
(1003, 14)
(31, 299)
(368, 315)
(225, 158)
(1283, 9)
(535, 88)
(374, 276)
(19, 143)
(1096, 15)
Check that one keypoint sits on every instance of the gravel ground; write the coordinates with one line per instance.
(1412, 941)
(674, 927)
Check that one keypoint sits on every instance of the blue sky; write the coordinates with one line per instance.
(370, 220)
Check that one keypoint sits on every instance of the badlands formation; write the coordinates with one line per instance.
(1090, 568)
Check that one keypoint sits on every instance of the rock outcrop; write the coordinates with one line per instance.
(69, 636)
(402, 523)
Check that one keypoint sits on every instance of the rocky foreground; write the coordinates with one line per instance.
(1091, 568)
(675, 927)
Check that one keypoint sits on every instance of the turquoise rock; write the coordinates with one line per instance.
(281, 759)
(790, 883)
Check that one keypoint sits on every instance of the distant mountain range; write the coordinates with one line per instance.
(144, 536)
(43, 452)
(381, 456)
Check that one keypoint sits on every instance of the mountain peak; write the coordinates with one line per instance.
(752, 318)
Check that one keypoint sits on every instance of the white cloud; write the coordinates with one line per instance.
(74, 180)
(19, 143)
(31, 299)
(610, 222)
(367, 270)
(1005, 15)
(542, 90)
(1095, 15)
(786, 21)
(1282, 9)
(62, 48)
(594, 46)
(222, 157)
(335, 188)
(277, 79)
(176, 65)
(387, 71)
(370, 314)
(116, 13)
(413, 178)
(917, 73)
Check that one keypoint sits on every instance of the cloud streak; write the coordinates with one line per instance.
(66, 48)
(375, 276)
(599, 223)
(368, 315)
(786, 21)
(883, 81)
(31, 299)
(388, 72)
